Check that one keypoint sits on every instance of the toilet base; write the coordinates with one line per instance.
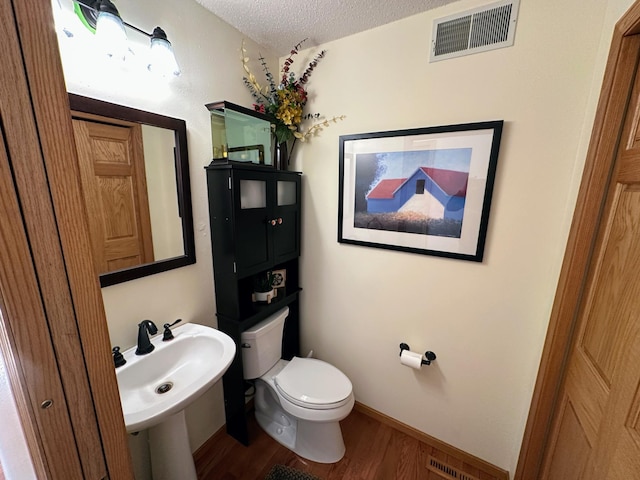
(319, 442)
(281, 429)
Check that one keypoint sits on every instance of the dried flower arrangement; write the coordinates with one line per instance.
(284, 102)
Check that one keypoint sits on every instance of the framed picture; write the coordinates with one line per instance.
(424, 190)
(279, 278)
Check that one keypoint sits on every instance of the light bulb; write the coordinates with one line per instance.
(110, 34)
(162, 59)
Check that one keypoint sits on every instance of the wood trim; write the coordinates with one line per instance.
(612, 106)
(461, 455)
(50, 102)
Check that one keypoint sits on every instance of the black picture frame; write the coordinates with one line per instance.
(424, 190)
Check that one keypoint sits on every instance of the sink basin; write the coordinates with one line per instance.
(163, 382)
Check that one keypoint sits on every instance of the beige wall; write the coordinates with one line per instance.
(485, 321)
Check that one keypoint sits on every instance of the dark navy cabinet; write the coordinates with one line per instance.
(255, 228)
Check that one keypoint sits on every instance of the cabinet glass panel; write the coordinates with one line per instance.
(253, 194)
(286, 193)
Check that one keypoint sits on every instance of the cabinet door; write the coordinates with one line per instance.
(251, 191)
(286, 212)
(267, 219)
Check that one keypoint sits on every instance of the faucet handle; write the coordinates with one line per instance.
(118, 358)
(168, 334)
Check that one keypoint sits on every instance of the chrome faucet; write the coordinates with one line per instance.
(145, 328)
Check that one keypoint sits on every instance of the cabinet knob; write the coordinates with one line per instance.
(273, 222)
(279, 220)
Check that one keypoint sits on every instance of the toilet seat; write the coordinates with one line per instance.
(313, 384)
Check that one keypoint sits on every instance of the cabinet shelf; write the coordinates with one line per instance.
(256, 312)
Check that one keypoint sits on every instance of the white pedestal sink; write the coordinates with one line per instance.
(155, 388)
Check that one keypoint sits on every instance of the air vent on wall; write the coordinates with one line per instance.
(478, 30)
(446, 471)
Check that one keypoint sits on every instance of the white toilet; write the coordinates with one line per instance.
(299, 402)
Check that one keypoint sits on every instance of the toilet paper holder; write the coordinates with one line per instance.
(429, 355)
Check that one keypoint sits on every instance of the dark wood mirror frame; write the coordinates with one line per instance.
(98, 107)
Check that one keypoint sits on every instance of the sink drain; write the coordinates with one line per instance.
(164, 388)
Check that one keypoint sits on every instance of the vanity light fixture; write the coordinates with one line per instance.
(102, 18)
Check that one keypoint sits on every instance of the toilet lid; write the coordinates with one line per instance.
(312, 383)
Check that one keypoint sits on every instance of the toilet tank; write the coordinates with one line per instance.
(262, 344)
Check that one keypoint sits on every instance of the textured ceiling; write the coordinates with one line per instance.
(280, 24)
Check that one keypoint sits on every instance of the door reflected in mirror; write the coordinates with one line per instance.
(135, 181)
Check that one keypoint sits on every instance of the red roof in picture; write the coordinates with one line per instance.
(386, 188)
(453, 183)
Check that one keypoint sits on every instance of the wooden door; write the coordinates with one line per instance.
(36, 375)
(596, 432)
(111, 160)
(48, 286)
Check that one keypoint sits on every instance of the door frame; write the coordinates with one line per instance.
(612, 107)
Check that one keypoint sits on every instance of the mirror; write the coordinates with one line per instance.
(134, 172)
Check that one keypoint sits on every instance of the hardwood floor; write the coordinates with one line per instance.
(374, 451)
